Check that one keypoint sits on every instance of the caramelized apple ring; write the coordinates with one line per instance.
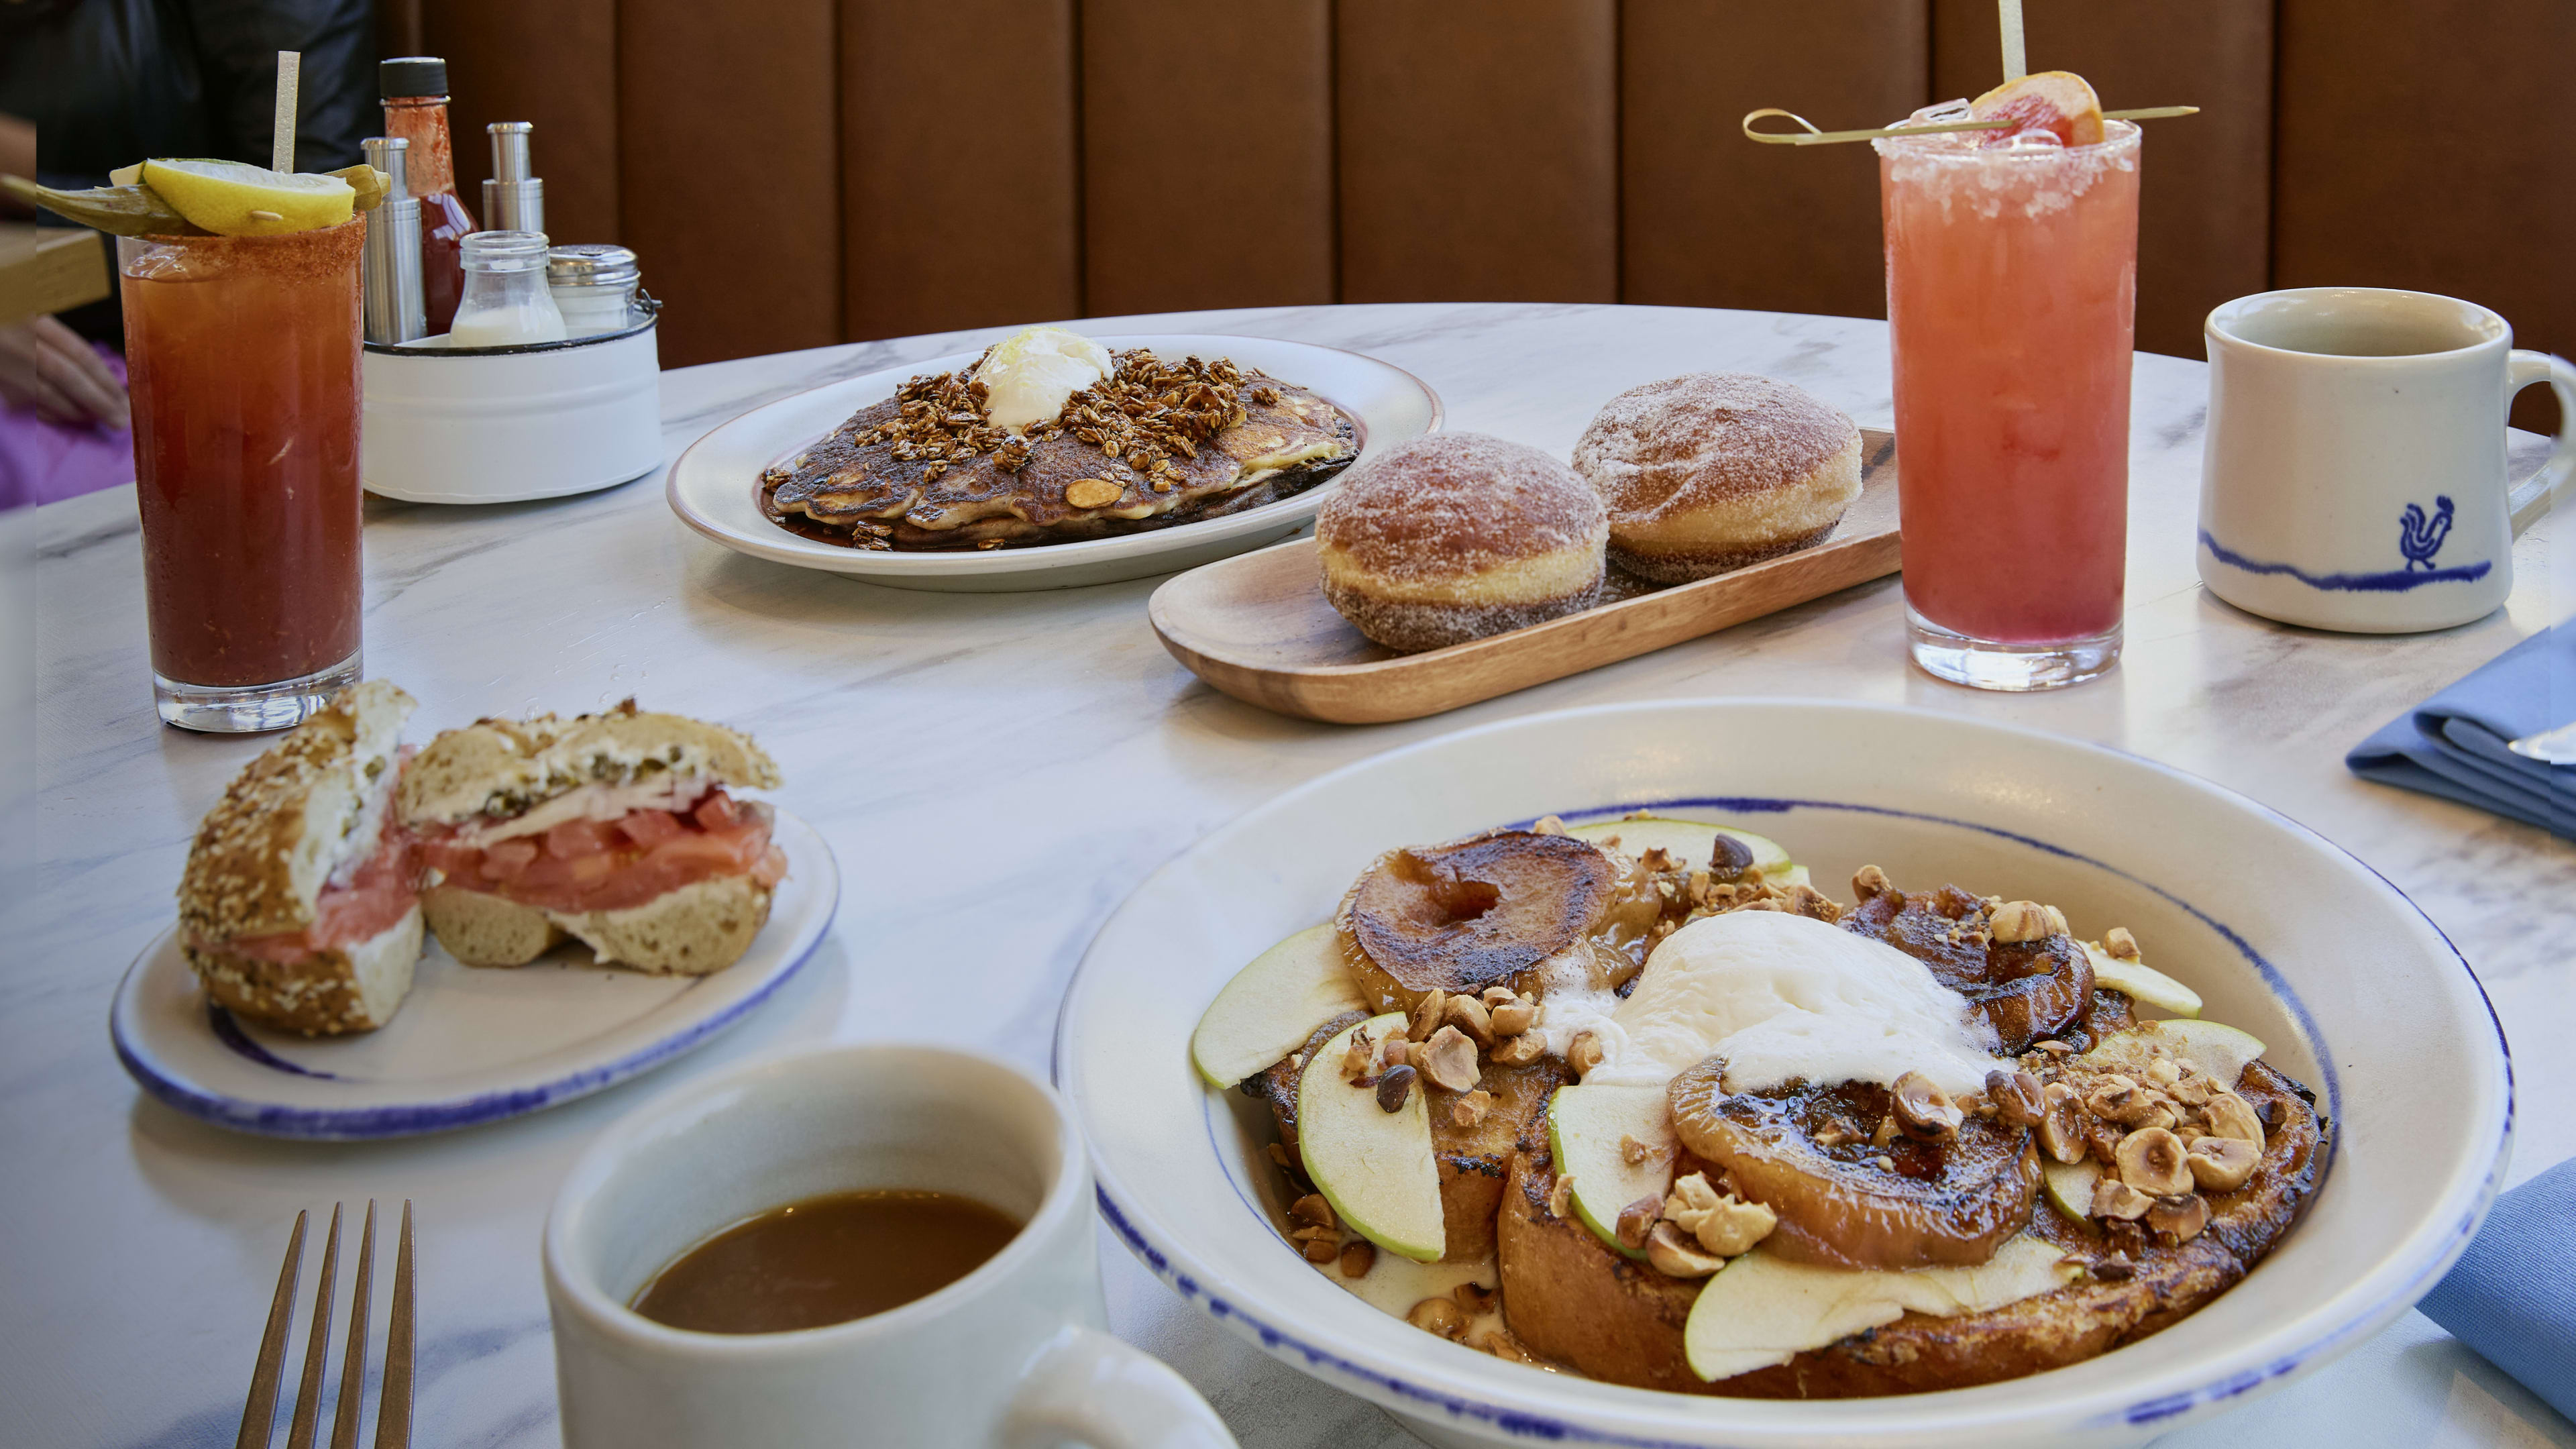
(1807, 1154)
(2029, 990)
(1474, 913)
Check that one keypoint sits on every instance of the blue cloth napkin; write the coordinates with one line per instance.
(2512, 1297)
(2453, 745)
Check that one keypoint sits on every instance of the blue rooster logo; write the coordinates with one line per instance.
(2419, 538)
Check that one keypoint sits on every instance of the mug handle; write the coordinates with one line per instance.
(2547, 486)
(1094, 1389)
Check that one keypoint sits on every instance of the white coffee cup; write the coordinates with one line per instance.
(2354, 474)
(1012, 1356)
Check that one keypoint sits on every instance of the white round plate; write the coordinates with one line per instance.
(470, 1044)
(2357, 993)
(715, 487)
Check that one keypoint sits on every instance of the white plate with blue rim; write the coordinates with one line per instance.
(2356, 992)
(715, 486)
(470, 1044)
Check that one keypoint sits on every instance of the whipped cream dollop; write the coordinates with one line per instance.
(1028, 375)
(1781, 996)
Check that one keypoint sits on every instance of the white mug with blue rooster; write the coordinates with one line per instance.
(2354, 477)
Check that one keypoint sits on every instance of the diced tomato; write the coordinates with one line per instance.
(580, 837)
(594, 865)
(649, 828)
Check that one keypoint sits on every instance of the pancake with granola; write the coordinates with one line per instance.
(1049, 438)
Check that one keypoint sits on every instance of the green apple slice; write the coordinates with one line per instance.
(1584, 1129)
(2070, 1186)
(2219, 1051)
(1271, 1007)
(1691, 842)
(1758, 1310)
(1374, 1166)
(2142, 983)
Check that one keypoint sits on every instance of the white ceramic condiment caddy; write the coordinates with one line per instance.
(509, 424)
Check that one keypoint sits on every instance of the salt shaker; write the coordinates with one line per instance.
(594, 286)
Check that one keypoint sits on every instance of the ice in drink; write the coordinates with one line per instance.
(2011, 290)
(243, 356)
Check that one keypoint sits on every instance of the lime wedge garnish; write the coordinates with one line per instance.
(232, 199)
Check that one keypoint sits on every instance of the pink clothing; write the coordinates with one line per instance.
(42, 462)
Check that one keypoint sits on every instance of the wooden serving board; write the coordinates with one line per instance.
(1256, 626)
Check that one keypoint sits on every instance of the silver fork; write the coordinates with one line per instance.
(393, 1407)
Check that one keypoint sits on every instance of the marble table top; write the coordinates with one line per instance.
(995, 772)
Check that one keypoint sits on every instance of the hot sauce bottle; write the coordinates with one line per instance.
(415, 93)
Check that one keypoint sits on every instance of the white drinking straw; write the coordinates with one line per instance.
(2016, 55)
(281, 145)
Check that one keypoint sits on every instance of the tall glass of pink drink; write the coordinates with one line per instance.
(2011, 294)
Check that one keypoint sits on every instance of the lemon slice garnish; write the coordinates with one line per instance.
(232, 199)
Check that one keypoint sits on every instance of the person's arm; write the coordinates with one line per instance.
(17, 155)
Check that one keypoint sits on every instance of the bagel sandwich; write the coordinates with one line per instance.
(298, 906)
(619, 830)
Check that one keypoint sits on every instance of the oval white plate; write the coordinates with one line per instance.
(470, 1044)
(2357, 993)
(715, 487)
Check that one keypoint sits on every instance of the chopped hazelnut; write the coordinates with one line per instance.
(1885, 1132)
(1733, 1226)
(1279, 1156)
(1313, 1210)
(2016, 1097)
(1323, 1249)
(1500, 1343)
(1440, 1316)
(1886, 1164)
(1396, 1053)
(1514, 1017)
(1394, 1087)
(2060, 1135)
(2230, 1115)
(1427, 1014)
(1494, 996)
(1731, 859)
(1470, 1014)
(1548, 825)
(1561, 1196)
(1633, 1152)
(1637, 1219)
(1869, 881)
(2058, 1048)
(1470, 1108)
(2113, 1198)
(1691, 1194)
(2178, 1218)
(2019, 921)
(1521, 1050)
(1923, 1109)
(1358, 1258)
(1359, 1056)
(2152, 1161)
(2222, 1164)
(1584, 1052)
(2163, 1072)
(2118, 944)
(1672, 1254)
(1448, 1059)
(1476, 1298)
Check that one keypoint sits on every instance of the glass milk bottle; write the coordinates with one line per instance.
(506, 302)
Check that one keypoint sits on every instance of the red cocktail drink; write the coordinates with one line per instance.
(2011, 292)
(243, 354)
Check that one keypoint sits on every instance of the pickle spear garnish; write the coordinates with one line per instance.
(117, 210)
(370, 184)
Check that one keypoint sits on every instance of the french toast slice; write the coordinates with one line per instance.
(1568, 1297)
(1474, 1158)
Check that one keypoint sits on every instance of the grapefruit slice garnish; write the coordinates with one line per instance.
(2056, 101)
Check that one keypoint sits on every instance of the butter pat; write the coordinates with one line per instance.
(1028, 375)
(1782, 996)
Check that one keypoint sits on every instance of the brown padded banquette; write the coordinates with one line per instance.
(803, 172)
